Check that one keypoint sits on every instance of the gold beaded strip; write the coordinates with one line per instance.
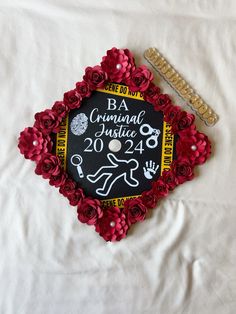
(159, 63)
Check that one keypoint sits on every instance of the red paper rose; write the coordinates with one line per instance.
(152, 93)
(75, 197)
(49, 165)
(47, 121)
(183, 170)
(32, 143)
(59, 179)
(68, 187)
(193, 145)
(140, 79)
(95, 77)
(89, 210)
(149, 199)
(170, 179)
(161, 102)
(170, 113)
(135, 210)
(130, 56)
(160, 188)
(182, 121)
(83, 89)
(118, 64)
(113, 225)
(60, 109)
(72, 99)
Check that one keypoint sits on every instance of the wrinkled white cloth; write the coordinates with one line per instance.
(181, 260)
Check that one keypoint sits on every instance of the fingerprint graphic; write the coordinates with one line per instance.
(79, 124)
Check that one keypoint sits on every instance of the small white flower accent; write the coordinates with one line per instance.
(112, 224)
(193, 147)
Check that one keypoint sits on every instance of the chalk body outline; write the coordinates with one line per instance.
(104, 190)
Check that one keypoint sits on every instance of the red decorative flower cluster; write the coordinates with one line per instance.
(33, 143)
(192, 148)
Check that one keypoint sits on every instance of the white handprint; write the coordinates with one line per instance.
(150, 170)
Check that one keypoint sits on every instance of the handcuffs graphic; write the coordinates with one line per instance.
(152, 141)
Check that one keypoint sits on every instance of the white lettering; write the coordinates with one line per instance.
(111, 104)
(118, 132)
(123, 105)
(117, 118)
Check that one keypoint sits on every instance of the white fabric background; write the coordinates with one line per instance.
(182, 258)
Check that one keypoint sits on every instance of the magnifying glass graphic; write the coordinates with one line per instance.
(76, 161)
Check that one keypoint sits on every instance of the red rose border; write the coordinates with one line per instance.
(192, 148)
